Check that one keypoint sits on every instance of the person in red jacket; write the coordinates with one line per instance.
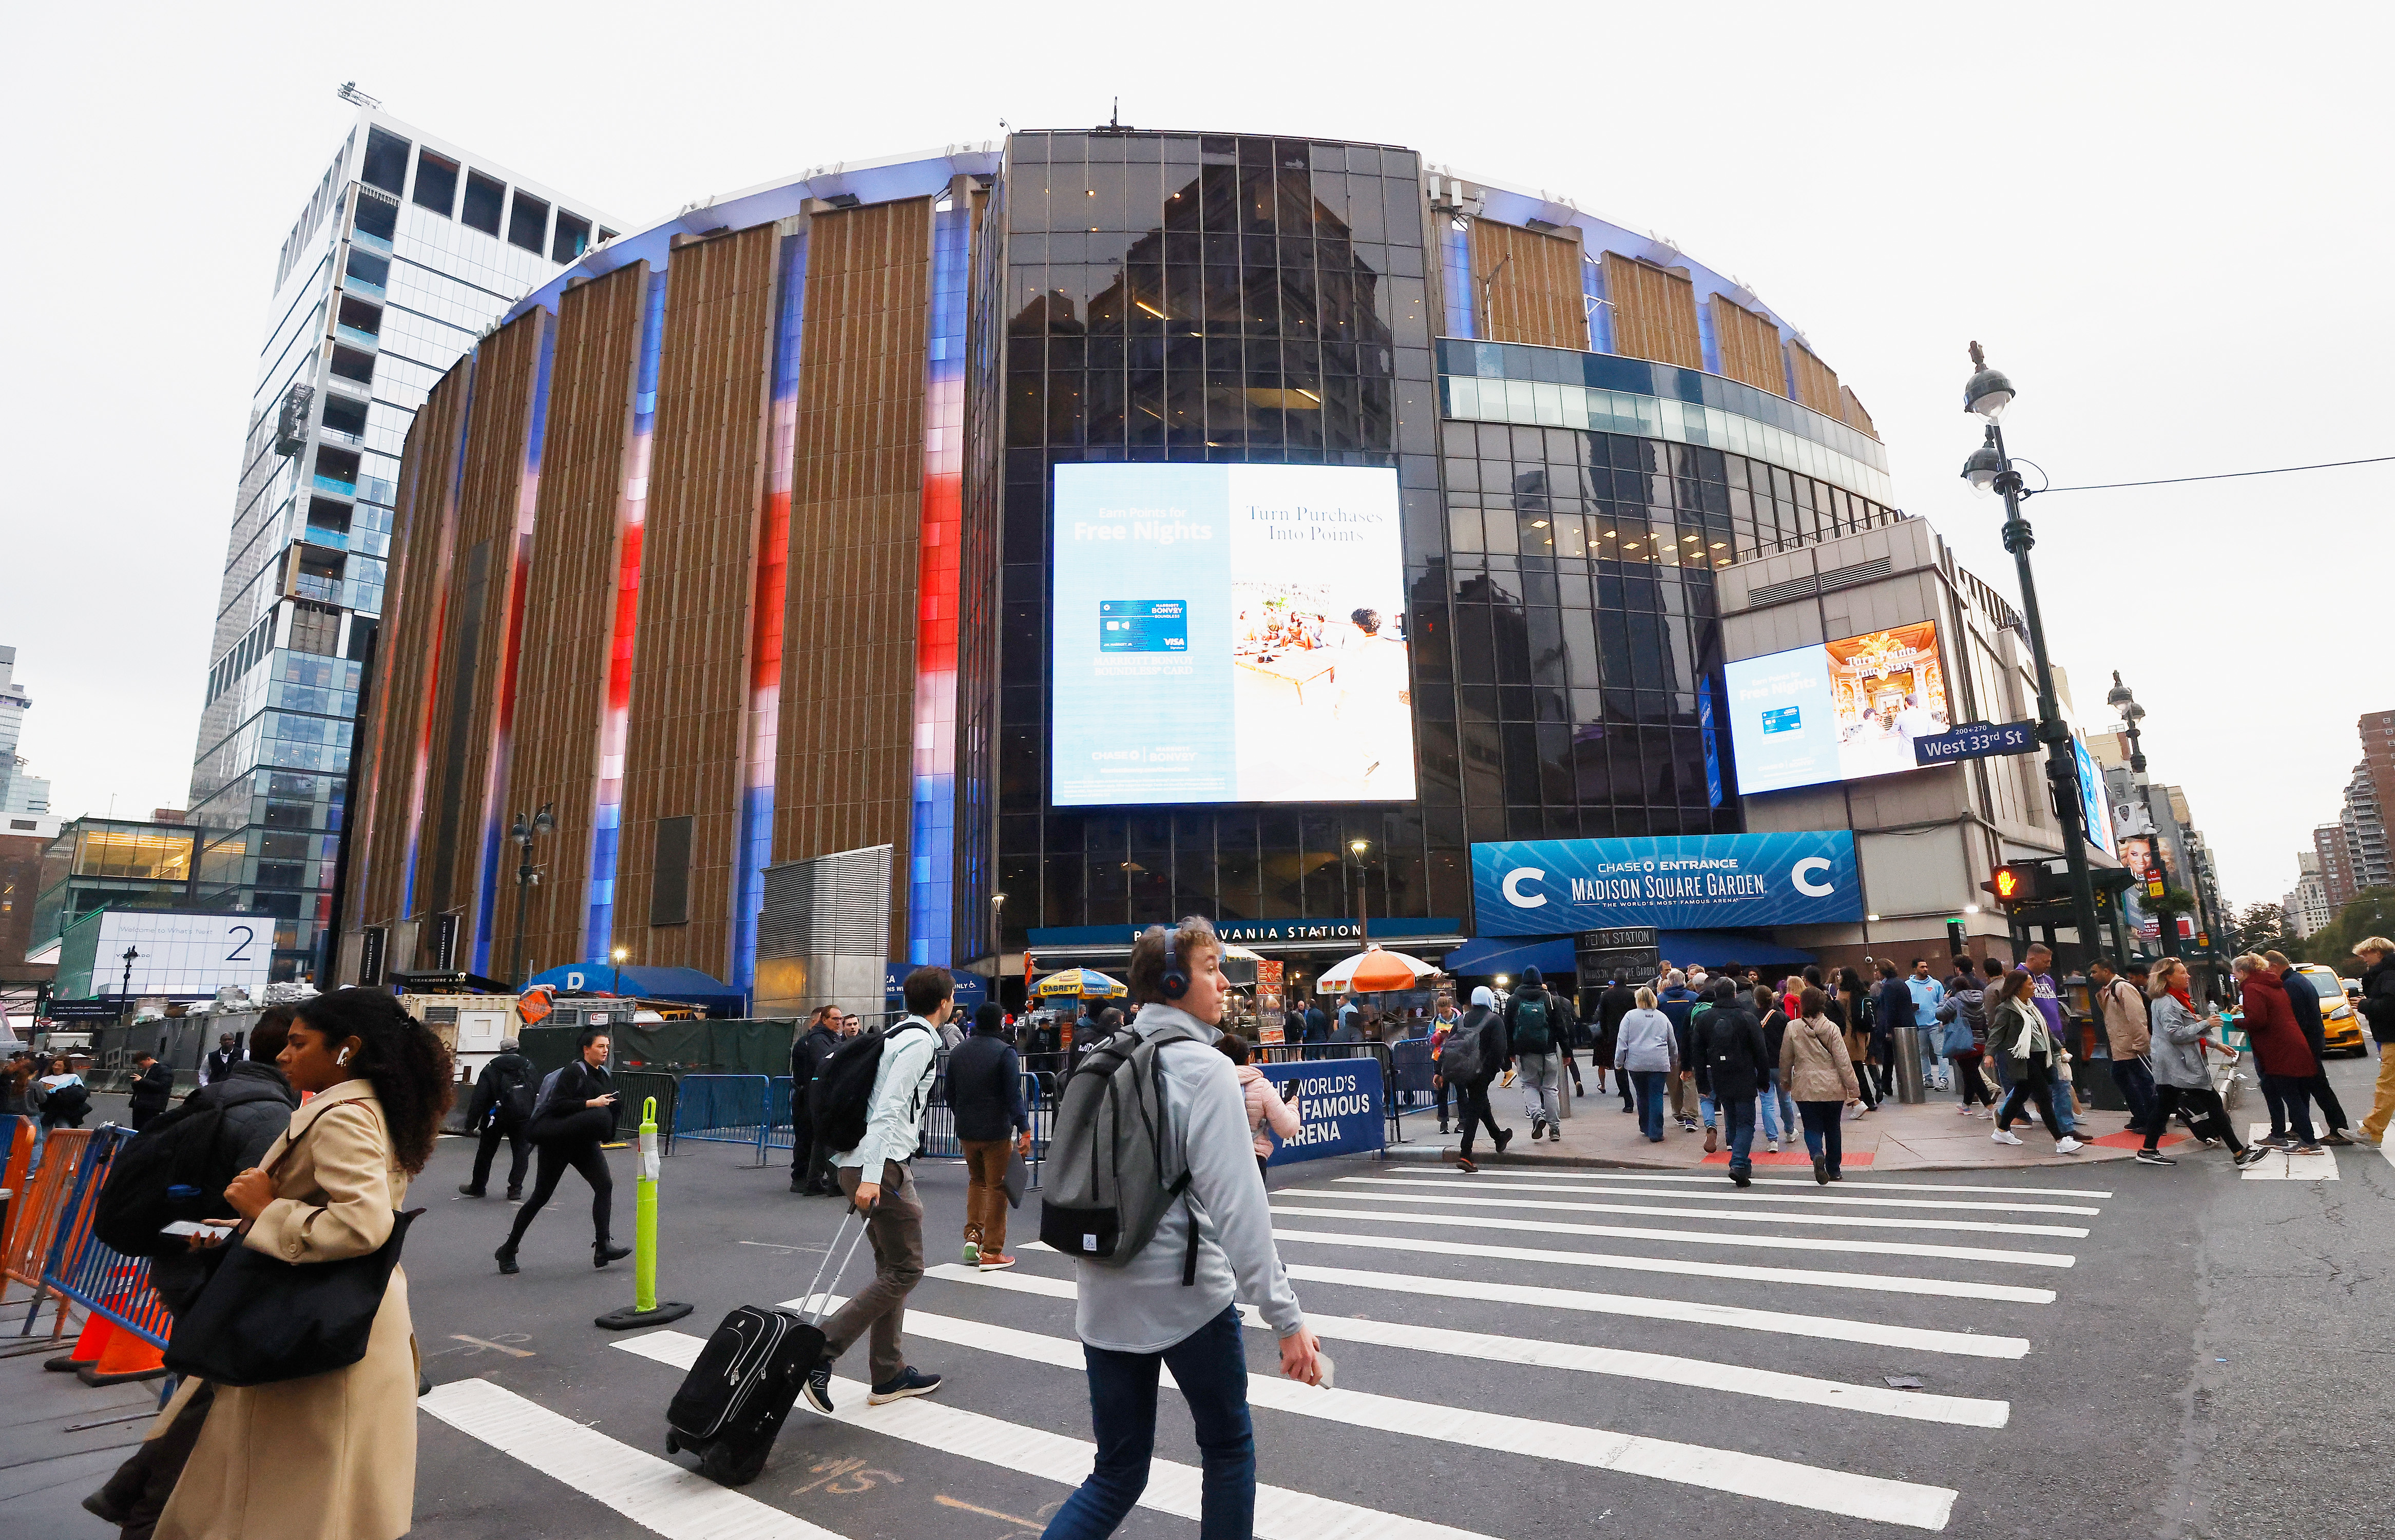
(2279, 1049)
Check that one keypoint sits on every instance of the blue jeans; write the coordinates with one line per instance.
(1210, 1366)
(1705, 1110)
(1779, 1110)
(1737, 1119)
(1649, 1084)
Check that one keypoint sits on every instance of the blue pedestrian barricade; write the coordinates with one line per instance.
(86, 1270)
(1410, 1067)
(725, 1108)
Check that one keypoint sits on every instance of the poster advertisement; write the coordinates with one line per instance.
(1838, 711)
(1268, 1001)
(2137, 854)
(1552, 887)
(1229, 632)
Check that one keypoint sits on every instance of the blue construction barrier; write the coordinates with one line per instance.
(726, 1109)
(88, 1271)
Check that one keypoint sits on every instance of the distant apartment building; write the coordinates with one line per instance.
(406, 251)
(23, 795)
(2307, 903)
(2335, 859)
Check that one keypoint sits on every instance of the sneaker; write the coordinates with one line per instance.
(993, 1260)
(1739, 1174)
(2337, 1137)
(2154, 1157)
(1464, 1163)
(817, 1390)
(2248, 1155)
(2005, 1136)
(909, 1381)
(972, 1251)
(1771, 1146)
(1821, 1170)
(2275, 1141)
(1504, 1137)
(2066, 1145)
(505, 1256)
(1836, 1174)
(1555, 1134)
(2311, 1149)
(1713, 1141)
(1964, 1111)
(470, 1189)
(1537, 1126)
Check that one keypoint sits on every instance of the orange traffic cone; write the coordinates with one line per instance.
(126, 1357)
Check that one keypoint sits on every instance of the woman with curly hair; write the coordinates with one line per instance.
(329, 1455)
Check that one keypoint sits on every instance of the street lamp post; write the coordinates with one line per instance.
(620, 954)
(997, 910)
(1363, 925)
(1990, 469)
(124, 993)
(524, 832)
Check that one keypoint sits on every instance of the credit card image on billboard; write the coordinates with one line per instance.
(1786, 718)
(1143, 625)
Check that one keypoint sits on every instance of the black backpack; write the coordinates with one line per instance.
(158, 1177)
(840, 1103)
(66, 1104)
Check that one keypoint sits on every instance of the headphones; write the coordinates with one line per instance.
(1175, 983)
(342, 1056)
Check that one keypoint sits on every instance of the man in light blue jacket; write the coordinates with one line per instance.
(874, 1176)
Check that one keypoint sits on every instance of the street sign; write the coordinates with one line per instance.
(1620, 937)
(1974, 741)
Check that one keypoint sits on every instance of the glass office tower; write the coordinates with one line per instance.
(405, 251)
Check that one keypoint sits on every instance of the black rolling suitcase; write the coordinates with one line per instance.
(733, 1400)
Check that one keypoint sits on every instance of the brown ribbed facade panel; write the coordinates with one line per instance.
(569, 596)
(1749, 346)
(1850, 408)
(411, 593)
(464, 700)
(1654, 312)
(690, 660)
(1817, 383)
(1529, 286)
(847, 675)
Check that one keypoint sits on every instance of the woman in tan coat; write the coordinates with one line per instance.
(331, 1457)
(1813, 1066)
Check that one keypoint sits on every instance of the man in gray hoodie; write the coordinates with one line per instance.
(1136, 1317)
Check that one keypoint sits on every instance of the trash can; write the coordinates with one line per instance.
(1909, 1088)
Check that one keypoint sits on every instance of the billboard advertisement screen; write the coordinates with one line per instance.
(182, 955)
(1550, 887)
(1229, 633)
(1837, 711)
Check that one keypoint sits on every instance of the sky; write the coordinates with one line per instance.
(2165, 223)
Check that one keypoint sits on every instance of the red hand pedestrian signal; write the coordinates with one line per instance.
(2014, 883)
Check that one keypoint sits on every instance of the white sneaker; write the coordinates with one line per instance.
(2065, 1145)
(2005, 1136)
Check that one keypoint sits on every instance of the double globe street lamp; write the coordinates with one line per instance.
(1990, 469)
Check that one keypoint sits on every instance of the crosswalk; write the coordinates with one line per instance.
(1695, 1352)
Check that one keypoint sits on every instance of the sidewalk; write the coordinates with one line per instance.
(1930, 1136)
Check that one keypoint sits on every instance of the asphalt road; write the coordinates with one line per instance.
(1522, 1353)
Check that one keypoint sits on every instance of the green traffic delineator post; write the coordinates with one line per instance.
(644, 1310)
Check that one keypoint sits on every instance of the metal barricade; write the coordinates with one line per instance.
(1410, 1067)
(33, 1216)
(632, 1088)
(723, 1109)
(1295, 1053)
(85, 1268)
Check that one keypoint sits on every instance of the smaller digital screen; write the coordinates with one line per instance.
(1143, 625)
(1837, 711)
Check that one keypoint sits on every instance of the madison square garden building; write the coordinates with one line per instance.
(1067, 533)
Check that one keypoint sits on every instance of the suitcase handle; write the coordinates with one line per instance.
(815, 1294)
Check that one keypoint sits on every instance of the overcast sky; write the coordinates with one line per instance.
(2168, 224)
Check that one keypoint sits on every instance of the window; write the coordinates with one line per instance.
(360, 316)
(485, 197)
(342, 416)
(315, 630)
(385, 163)
(350, 364)
(376, 217)
(362, 634)
(436, 183)
(605, 235)
(669, 889)
(527, 222)
(573, 237)
(367, 268)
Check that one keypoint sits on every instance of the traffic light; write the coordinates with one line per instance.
(2016, 882)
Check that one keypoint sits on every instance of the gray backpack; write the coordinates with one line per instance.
(1113, 1165)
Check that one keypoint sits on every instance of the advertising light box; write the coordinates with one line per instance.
(1553, 887)
(1837, 711)
(1229, 633)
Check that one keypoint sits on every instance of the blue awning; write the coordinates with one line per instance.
(687, 985)
(1715, 948)
(1510, 955)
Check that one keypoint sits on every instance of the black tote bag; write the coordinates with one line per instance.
(260, 1320)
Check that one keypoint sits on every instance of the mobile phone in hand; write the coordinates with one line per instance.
(1289, 1090)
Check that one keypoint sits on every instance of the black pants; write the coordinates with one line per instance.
(518, 1148)
(1866, 1089)
(583, 1155)
(2034, 1082)
(1443, 1088)
(2332, 1110)
(1473, 1108)
(2201, 1108)
(2290, 1098)
(1966, 1077)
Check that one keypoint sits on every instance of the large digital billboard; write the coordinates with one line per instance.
(1837, 711)
(1555, 886)
(1229, 633)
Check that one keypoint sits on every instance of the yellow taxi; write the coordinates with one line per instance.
(2340, 1023)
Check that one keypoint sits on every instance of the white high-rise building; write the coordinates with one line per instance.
(22, 793)
(406, 250)
(2307, 905)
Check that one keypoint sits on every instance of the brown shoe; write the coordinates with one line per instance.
(1711, 1142)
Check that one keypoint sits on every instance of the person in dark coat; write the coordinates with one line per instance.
(254, 1102)
(154, 1087)
(1489, 1030)
(220, 1062)
(810, 1172)
(1892, 1007)
(984, 1092)
(1618, 1001)
(2279, 1047)
(1733, 1065)
(493, 1116)
(569, 1131)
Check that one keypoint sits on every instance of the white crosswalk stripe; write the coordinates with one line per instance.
(1663, 1368)
(2285, 1165)
(1530, 1173)
(1172, 1487)
(1743, 1216)
(1727, 1193)
(1705, 1238)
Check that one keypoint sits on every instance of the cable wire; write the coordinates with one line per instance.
(2226, 475)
